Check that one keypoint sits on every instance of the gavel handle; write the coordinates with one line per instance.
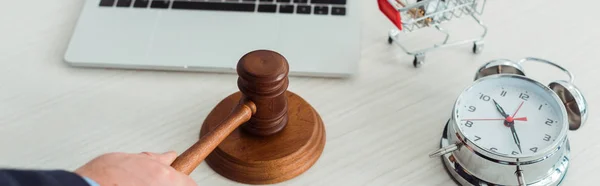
(193, 156)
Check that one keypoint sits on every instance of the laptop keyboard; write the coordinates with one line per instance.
(303, 7)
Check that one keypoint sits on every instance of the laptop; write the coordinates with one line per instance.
(318, 37)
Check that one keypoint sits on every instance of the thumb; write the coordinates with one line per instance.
(165, 158)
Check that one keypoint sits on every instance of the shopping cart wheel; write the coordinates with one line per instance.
(390, 40)
(477, 47)
(419, 60)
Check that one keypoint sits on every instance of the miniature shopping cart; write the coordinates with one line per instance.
(409, 17)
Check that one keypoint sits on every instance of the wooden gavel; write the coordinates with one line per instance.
(261, 109)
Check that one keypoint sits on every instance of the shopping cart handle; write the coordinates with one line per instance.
(390, 12)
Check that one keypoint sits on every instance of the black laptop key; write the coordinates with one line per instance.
(267, 8)
(321, 10)
(107, 2)
(197, 5)
(124, 3)
(301, 1)
(141, 3)
(249, 0)
(286, 9)
(270, 1)
(284, 1)
(338, 11)
(303, 9)
(160, 4)
(335, 2)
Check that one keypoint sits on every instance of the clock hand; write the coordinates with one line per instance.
(512, 128)
(499, 108)
(515, 136)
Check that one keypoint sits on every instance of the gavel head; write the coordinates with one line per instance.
(263, 79)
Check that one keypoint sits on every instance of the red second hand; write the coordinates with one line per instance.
(494, 119)
(518, 109)
(509, 118)
(520, 119)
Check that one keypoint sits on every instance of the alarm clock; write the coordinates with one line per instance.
(509, 129)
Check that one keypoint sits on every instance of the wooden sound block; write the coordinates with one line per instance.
(253, 159)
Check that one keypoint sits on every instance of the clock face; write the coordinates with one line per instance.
(511, 116)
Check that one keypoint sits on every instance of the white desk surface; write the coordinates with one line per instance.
(380, 124)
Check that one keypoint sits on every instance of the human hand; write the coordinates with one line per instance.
(143, 169)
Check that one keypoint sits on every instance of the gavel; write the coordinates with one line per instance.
(262, 134)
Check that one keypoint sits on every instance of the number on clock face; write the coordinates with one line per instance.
(535, 115)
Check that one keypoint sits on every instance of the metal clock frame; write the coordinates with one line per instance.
(470, 164)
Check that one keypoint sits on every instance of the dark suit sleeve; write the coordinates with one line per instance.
(40, 178)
